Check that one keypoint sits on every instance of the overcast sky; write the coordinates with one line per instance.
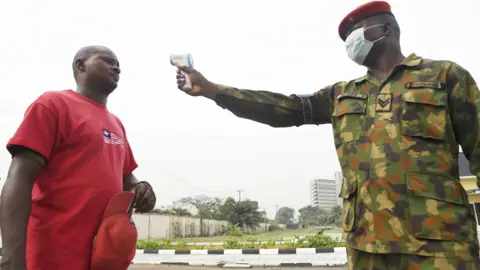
(187, 146)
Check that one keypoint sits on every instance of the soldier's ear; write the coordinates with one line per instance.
(387, 29)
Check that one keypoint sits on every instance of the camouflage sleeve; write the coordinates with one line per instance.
(465, 114)
(277, 110)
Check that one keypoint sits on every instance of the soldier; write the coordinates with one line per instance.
(396, 132)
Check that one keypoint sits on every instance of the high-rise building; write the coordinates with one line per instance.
(323, 193)
(469, 183)
(338, 185)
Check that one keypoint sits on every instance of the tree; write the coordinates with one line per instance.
(309, 215)
(323, 217)
(177, 211)
(285, 215)
(206, 206)
(226, 209)
(243, 213)
(336, 214)
(246, 215)
(158, 212)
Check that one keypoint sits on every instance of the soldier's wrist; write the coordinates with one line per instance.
(211, 90)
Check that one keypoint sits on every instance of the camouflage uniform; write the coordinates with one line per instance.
(397, 143)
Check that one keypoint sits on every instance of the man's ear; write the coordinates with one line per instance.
(79, 65)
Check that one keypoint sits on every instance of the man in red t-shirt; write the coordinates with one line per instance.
(70, 156)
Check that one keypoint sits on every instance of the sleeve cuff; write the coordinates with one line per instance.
(129, 170)
(27, 143)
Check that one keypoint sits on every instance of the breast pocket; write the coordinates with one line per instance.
(424, 113)
(348, 118)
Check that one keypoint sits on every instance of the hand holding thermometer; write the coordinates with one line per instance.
(182, 60)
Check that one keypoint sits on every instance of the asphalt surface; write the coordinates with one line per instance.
(165, 267)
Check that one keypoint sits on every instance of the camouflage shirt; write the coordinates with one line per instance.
(397, 143)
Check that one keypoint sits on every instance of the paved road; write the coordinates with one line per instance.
(165, 267)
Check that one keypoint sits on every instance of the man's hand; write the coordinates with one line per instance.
(200, 85)
(145, 198)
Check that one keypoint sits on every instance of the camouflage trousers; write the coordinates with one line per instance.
(361, 260)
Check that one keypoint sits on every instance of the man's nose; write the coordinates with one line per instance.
(117, 70)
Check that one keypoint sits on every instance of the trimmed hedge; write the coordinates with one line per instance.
(309, 241)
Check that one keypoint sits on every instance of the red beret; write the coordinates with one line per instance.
(362, 12)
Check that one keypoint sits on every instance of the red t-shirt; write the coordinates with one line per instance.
(87, 157)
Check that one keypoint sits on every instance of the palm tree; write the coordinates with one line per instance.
(246, 215)
(226, 210)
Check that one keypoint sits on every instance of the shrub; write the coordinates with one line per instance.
(181, 244)
(235, 230)
(273, 227)
(148, 244)
(251, 242)
(232, 243)
(320, 241)
(292, 226)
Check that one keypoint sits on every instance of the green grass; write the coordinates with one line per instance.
(275, 235)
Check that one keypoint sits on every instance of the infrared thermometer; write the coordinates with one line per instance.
(182, 60)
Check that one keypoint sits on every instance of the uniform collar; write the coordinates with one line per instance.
(410, 61)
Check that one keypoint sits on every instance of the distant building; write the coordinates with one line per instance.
(469, 183)
(323, 193)
(254, 204)
(338, 185)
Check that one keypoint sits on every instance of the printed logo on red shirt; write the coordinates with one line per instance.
(111, 138)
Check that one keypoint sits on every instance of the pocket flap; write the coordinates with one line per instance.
(437, 187)
(426, 96)
(349, 188)
(350, 105)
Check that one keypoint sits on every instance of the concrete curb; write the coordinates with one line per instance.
(248, 265)
(273, 251)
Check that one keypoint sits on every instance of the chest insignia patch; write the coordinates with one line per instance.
(384, 102)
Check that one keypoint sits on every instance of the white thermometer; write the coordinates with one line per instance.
(182, 60)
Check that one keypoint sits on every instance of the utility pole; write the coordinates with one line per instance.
(239, 194)
(276, 210)
(265, 221)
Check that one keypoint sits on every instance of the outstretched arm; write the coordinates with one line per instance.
(273, 109)
(276, 110)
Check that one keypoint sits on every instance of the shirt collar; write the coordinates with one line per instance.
(410, 61)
